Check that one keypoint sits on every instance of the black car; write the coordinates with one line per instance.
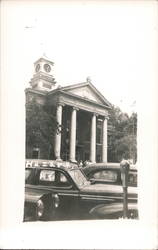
(109, 173)
(60, 191)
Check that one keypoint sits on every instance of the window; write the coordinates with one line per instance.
(35, 153)
(78, 177)
(88, 131)
(86, 156)
(47, 177)
(106, 175)
(98, 135)
(99, 131)
(62, 180)
(98, 158)
(53, 178)
(28, 175)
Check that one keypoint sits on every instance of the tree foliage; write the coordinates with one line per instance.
(41, 124)
(122, 135)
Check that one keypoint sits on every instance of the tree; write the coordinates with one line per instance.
(123, 133)
(41, 125)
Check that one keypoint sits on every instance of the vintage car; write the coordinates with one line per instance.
(60, 191)
(109, 173)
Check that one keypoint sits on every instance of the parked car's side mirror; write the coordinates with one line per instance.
(92, 181)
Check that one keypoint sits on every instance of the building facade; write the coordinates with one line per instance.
(80, 108)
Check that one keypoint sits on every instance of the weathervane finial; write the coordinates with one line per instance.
(88, 79)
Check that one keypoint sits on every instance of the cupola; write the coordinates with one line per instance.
(43, 75)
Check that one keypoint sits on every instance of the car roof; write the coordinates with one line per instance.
(110, 165)
(101, 166)
(41, 163)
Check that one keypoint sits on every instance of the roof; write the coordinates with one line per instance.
(45, 59)
(91, 86)
(91, 93)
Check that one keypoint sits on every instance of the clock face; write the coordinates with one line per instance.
(37, 67)
(47, 67)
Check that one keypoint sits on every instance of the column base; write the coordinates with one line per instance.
(73, 161)
(92, 161)
(59, 159)
(104, 161)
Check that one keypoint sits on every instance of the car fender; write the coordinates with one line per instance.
(105, 210)
(33, 195)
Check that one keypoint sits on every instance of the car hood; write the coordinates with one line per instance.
(108, 189)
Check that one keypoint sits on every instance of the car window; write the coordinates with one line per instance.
(78, 177)
(53, 178)
(47, 177)
(62, 180)
(28, 175)
(106, 175)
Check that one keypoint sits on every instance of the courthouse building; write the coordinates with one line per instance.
(80, 108)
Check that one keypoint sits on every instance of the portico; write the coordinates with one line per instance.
(74, 111)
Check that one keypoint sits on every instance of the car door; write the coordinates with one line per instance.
(60, 183)
(68, 195)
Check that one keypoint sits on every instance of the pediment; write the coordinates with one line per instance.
(87, 91)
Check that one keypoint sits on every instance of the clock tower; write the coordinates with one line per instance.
(43, 75)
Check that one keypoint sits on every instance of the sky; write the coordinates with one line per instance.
(108, 41)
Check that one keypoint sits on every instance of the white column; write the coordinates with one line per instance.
(93, 139)
(104, 145)
(73, 135)
(57, 148)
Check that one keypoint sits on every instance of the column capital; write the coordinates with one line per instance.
(60, 104)
(106, 117)
(95, 114)
(75, 108)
